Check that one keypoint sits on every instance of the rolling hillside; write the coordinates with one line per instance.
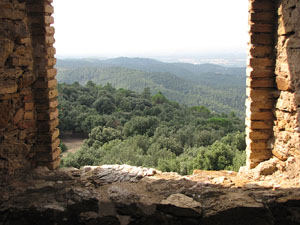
(222, 89)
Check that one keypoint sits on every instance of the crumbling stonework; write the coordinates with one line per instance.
(287, 71)
(273, 81)
(28, 94)
(28, 114)
(91, 196)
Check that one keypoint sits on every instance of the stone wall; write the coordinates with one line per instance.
(287, 70)
(261, 90)
(28, 114)
(28, 94)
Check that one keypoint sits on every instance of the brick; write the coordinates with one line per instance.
(49, 20)
(261, 5)
(47, 147)
(54, 164)
(47, 125)
(48, 157)
(259, 124)
(261, 51)
(263, 39)
(260, 62)
(47, 115)
(47, 94)
(51, 62)
(8, 87)
(260, 94)
(50, 40)
(50, 30)
(260, 82)
(255, 106)
(261, 16)
(258, 134)
(268, 115)
(43, 106)
(28, 115)
(51, 51)
(48, 137)
(41, 84)
(260, 72)
(29, 106)
(258, 156)
(256, 144)
(261, 28)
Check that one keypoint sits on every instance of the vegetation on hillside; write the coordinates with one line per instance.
(221, 89)
(126, 127)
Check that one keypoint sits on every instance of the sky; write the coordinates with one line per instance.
(112, 28)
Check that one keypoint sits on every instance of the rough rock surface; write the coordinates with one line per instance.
(92, 196)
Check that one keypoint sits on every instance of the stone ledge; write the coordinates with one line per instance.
(93, 195)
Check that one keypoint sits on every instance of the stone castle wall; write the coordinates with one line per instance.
(28, 114)
(28, 94)
(273, 81)
(286, 141)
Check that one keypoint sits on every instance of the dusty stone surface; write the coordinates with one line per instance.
(72, 196)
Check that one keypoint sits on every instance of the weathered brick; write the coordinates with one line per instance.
(8, 87)
(258, 134)
(29, 115)
(261, 27)
(260, 62)
(261, 38)
(259, 124)
(260, 82)
(260, 72)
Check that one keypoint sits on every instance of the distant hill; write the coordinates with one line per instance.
(222, 89)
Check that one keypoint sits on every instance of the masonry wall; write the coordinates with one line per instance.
(286, 141)
(273, 81)
(28, 114)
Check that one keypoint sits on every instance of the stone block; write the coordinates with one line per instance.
(261, 28)
(259, 124)
(48, 157)
(49, 20)
(29, 106)
(41, 84)
(258, 134)
(283, 83)
(256, 144)
(8, 87)
(260, 82)
(261, 16)
(261, 38)
(261, 5)
(47, 126)
(260, 72)
(258, 106)
(29, 115)
(18, 116)
(261, 51)
(260, 94)
(264, 115)
(48, 115)
(46, 94)
(50, 30)
(6, 49)
(260, 62)
(47, 147)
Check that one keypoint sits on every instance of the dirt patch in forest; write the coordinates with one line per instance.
(73, 143)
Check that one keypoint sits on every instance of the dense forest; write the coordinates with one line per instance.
(144, 129)
(221, 89)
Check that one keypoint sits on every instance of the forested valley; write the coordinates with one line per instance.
(122, 126)
(219, 88)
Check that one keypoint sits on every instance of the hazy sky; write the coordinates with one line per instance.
(149, 27)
